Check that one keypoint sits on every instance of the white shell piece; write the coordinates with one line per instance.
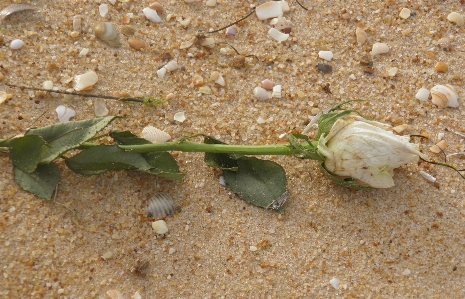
(427, 176)
(47, 85)
(261, 120)
(161, 72)
(284, 6)
(444, 96)
(208, 42)
(155, 135)
(441, 135)
(282, 24)
(112, 2)
(220, 81)
(268, 10)
(361, 35)
(405, 13)
(230, 31)
(276, 91)
(84, 52)
(64, 113)
(100, 108)
(114, 294)
(85, 80)
(379, 48)
(392, 71)
(210, 3)
(103, 10)
(106, 31)
(222, 181)
(77, 23)
(136, 295)
(171, 65)
(326, 55)
(422, 94)
(187, 44)
(16, 44)
(261, 94)
(456, 18)
(159, 206)
(184, 22)
(160, 227)
(278, 35)
(334, 282)
(151, 14)
(179, 116)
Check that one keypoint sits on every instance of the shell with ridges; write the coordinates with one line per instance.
(160, 206)
(444, 96)
(106, 31)
(155, 135)
(456, 18)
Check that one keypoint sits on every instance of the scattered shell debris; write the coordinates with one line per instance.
(428, 176)
(261, 93)
(64, 113)
(268, 10)
(160, 227)
(379, 48)
(160, 206)
(85, 81)
(106, 31)
(100, 108)
(154, 134)
(456, 18)
(151, 14)
(179, 116)
(422, 94)
(438, 147)
(444, 96)
(16, 44)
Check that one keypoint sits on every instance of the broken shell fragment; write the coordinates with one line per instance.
(438, 147)
(85, 81)
(103, 10)
(276, 91)
(64, 113)
(326, 55)
(261, 94)
(361, 35)
(400, 128)
(278, 35)
(283, 25)
(151, 14)
(161, 72)
(422, 94)
(77, 23)
(456, 18)
(441, 67)
(268, 10)
(100, 108)
(405, 13)
(444, 96)
(160, 227)
(179, 116)
(427, 176)
(155, 135)
(160, 206)
(392, 71)
(171, 66)
(379, 48)
(106, 31)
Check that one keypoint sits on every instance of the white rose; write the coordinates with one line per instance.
(366, 151)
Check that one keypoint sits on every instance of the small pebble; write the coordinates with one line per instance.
(261, 94)
(103, 10)
(210, 3)
(107, 255)
(156, 6)
(160, 227)
(422, 94)
(74, 34)
(326, 55)
(406, 272)
(405, 13)
(84, 52)
(324, 68)
(391, 72)
(267, 84)
(253, 248)
(136, 44)
(441, 67)
(16, 44)
(334, 282)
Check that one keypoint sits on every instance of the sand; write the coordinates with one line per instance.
(403, 242)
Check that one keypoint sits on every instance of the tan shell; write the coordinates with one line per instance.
(361, 35)
(456, 18)
(160, 206)
(155, 135)
(444, 96)
(106, 31)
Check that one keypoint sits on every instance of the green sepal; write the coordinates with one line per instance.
(306, 153)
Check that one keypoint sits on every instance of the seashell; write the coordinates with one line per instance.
(16, 44)
(283, 25)
(208, 42)
(187, 44)
(361, 35)
(128, 30)
(151, 14)
(268, 10)
(278, 35)
(422, 94)
(136, 44)
(284, 5)
(400, 128)
(326, 55)
(210, 3)
(276, 91)
(100, 108)
(230, 31)
(427, 176)
(5, 97)
(85, 80)
(160, 227)
(184, 22)
(379, 48)
(156, 6)
(77, 23)
(64, 113)
(441, 67)
(15, 8)
(172, 65)
(155, 135)
(2, 76)
(456, 18)
(405, 13)
(47, 85)
(261, 94)
(161, 72)
(159, 206)
(114, 294)
(438, 147)
(106, 31)
(103, 10)
(444, 96)
(392, 71)
(179, 116)
(112, 2)
(267, 84)
(205, 89)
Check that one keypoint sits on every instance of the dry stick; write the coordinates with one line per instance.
(301, 5)
(86, 95)
(218, 30)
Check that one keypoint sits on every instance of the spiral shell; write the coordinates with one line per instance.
(155, 135)
(160, 206)
(444, 96)
(106, 31)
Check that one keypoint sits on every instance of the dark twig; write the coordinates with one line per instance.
(301, 5)
(214, 31)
